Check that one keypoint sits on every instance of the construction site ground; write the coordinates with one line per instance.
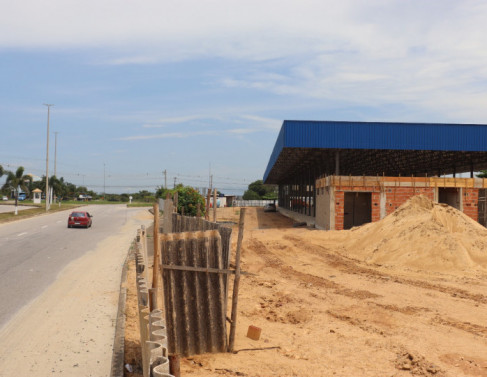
(404, 296)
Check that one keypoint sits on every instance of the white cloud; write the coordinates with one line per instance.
(424, 54)
(265, 123)
(222, 124)
(169, 135)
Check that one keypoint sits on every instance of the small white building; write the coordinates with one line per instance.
(37, 195)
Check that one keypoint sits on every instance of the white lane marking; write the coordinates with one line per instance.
(21, 234)
(44, 226)
(59, 221)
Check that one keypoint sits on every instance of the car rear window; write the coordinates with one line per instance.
(77, 214)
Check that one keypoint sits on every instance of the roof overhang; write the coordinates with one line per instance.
(364, 148)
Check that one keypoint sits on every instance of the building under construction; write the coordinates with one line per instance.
(337, 175)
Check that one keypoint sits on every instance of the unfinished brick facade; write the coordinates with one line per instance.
(335, 211)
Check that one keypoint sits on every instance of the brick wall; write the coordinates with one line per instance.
(375, 206)
(470, 203)
(396, 196)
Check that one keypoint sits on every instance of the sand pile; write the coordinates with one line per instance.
(422, 235)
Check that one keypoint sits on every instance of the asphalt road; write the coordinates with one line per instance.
(35, 250)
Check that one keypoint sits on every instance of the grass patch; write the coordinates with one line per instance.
(141, 204)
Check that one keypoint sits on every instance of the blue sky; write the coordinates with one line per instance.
(142, 87)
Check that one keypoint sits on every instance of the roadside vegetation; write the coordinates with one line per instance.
(188, 199)
(259, 191)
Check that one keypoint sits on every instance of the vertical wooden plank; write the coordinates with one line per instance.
(200, 298)
(172, 252)
(209, 297)
(184, 244)
(214, 206)
(157, 258)
(220, 294)
(168, 218)
(233, 324)
(207, 214)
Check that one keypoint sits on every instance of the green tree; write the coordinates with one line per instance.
(258, 187)
(258, 190)
(188, 198)
(15, 182)
(2, 172)
(58, 186)
(250, 195)
(483, 174)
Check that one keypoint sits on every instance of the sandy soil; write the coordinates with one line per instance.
(69, 329)
(403, 296)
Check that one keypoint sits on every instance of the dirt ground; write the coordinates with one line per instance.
(403, 296)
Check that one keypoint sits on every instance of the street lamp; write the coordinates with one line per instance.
(47, 156)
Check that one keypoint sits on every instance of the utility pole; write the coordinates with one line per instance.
(55, 153)
(47, 156)
(165, 179)
(209, 174)
(174, 182)
(104, 187)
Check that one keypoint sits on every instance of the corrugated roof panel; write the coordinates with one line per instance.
(378, 136)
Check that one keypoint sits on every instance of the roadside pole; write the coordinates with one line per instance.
(236, 282)
(157, 257)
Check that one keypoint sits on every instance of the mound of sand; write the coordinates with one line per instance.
(422, 235)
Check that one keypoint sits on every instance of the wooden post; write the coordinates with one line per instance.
(174, 365)
(198, 210)
(157, 255)
(175, 199)
(236, 282)
(208, 196)
(214, 206)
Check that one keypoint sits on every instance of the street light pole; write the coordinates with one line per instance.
(104, 188)
(55, 153)
(47, 156)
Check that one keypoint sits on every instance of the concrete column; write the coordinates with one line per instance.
(382, 204)
(337, 163)
(435, 195)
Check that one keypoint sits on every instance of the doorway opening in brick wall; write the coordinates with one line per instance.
(483, 207)
(450, 196)
(357, 209)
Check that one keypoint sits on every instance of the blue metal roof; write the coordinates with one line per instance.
(379, 136)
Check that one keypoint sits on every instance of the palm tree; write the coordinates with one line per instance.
(16, 181)
(2, 172)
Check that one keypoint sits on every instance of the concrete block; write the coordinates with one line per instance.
(254, 332)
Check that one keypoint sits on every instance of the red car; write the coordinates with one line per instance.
(79, 218)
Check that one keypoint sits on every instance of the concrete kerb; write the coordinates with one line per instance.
(119, 339)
